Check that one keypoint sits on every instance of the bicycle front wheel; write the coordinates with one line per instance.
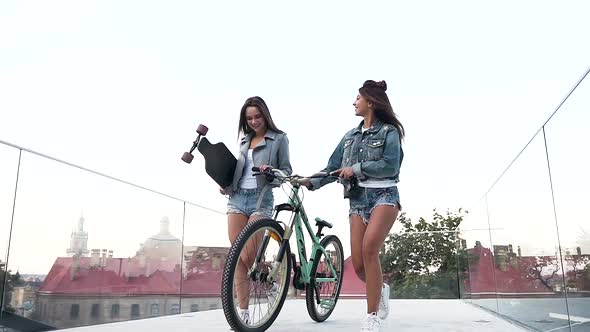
(321, 295)
(254, 286)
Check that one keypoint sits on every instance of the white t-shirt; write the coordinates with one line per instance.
(248, 180)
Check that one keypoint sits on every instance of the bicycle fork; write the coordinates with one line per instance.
(281, 253)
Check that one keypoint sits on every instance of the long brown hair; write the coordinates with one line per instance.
(375, 93)
(259, 103)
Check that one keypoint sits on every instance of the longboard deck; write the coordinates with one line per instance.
(220, 163)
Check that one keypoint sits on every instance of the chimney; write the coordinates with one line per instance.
(110, 254)
(95, 257)
(75, 267)
(141, 260)
(148, 268)
(579, 251)
(103, 258)
(519, 252)
(127, 270)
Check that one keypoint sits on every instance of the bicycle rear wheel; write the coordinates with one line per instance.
(247, 284)
(321, 296)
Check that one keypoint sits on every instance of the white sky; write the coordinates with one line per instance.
(120, 87)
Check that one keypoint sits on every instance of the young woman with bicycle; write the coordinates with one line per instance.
(370, 156)
(262, 145)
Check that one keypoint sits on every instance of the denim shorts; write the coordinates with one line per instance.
(368, 198)
(251, 202)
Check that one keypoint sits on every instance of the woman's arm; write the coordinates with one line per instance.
(333, 164)
(284, 163)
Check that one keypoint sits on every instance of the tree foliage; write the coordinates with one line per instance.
(425, 260)
(6, 293)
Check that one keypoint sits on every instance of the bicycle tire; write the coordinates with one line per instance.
(311, 290)
(227, 286)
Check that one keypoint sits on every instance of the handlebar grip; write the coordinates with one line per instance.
(320, 175)
(257, 169)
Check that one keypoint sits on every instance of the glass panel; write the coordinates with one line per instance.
(8, 170)
(206, 245)
(480, 279)
(527, 268)
(571, 184)
(422, 262)
(97, 250)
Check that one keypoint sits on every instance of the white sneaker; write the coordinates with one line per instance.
(384, 302)
(273, 294)
(371, 323)
(244, 315)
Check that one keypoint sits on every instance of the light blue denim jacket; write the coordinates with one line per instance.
(374, 155)
(273, 150)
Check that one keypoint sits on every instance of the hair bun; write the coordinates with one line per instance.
(375, 85)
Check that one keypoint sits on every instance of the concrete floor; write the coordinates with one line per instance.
(406, 315)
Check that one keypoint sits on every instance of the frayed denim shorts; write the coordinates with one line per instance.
(251, 202)
(368, 198)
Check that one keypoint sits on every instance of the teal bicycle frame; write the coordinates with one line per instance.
(299, 217)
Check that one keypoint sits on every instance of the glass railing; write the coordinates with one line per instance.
(533, 257)
(87, 249)
(425, 262)
(10, 158)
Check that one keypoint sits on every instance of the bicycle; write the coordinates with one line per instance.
(267, 263)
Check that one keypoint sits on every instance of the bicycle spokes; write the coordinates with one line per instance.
(257, 285)
(326, 279)
(325, 291)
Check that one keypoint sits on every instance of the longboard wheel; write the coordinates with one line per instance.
(202, 130)
(187, 157)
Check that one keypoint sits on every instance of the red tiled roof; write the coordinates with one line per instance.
(119, 276)
(124, 277)
(203, 284)
(352, 286)
(484, 276)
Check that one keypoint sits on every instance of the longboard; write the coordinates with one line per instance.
(220, 163)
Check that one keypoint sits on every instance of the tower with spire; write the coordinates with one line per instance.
(78, 241)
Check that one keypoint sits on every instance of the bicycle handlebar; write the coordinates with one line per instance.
(294, 179)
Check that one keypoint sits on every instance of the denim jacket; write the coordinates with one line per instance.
(374, 155)
(273, 150)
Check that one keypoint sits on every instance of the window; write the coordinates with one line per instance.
(95, 311)
(194, 307)
(74, 311)
(155, 310)
(216, 263)
(134, 311)
(115, 311)
(175, 309)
